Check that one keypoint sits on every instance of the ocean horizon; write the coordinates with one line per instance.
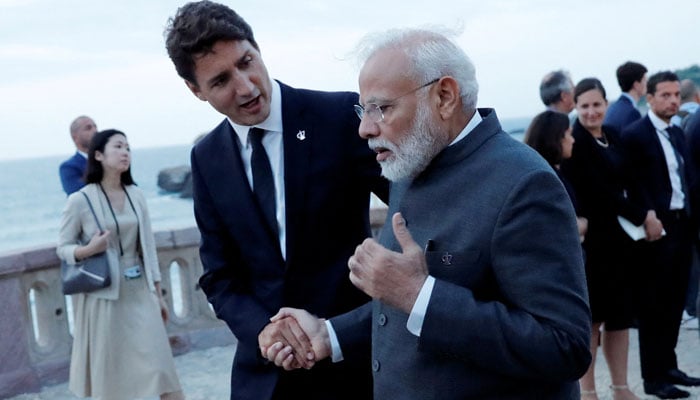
(33, 199)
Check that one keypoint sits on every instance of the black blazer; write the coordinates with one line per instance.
(328, 179)
(598, 179)
(650, 186)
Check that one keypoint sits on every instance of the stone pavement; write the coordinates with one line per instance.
(205, 374)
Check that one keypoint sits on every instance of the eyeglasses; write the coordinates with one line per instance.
(375, 112)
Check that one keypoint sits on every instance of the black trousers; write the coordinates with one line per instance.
(663, 284)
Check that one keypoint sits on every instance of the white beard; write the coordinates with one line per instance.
(415, 150)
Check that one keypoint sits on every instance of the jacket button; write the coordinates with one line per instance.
(375, 365)
(382, 319)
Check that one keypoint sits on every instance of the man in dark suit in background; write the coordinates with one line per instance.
(71, 171)
(278, 231)
(661, 180)
(632, 78)
(477, 280)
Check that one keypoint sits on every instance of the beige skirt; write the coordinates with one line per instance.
(120, 348)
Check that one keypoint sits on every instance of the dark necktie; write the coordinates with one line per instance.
(681, 166)
(263, 184)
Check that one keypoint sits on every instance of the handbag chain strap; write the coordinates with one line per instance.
(93, 212)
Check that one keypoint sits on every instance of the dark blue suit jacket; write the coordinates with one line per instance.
(508, 317)
(71, 172)
(692, 135)
(328, 179)
(650, 186)
(621, 113)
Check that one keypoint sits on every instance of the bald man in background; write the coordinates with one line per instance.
(72, 170)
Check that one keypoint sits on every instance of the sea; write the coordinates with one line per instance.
(32, 198)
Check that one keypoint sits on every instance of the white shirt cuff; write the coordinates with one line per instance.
(415, 319)
(336, 352)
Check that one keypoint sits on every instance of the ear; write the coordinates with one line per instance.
(98, 155)
(449, 99)
(566, 96)
(195, 90)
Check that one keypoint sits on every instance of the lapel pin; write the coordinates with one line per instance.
(447, 259)
(301, 135)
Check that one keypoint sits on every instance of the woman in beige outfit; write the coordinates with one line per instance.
(120, 346)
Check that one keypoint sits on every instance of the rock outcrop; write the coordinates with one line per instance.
(176, 180)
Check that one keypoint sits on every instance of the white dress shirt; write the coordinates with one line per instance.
(677, 195)
(274, 147)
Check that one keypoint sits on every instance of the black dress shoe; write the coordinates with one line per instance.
(664, 390)
(678, 377)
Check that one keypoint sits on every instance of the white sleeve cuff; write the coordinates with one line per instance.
(415, 319)
(336, 352)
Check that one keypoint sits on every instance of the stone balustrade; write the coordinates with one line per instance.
(36, 320)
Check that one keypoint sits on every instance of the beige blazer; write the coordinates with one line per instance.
(78, 226)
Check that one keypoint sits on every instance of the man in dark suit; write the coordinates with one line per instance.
(278, 231)
(661, 180)
(632, 78)
(71, 171)
(477, 280)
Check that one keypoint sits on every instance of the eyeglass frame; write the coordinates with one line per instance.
(370, 108)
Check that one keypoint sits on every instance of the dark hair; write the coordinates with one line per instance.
(587, 84)
(545, 133)
(194, 30)
(629, 73)
(94, 171)
(553, 85)
(663, 76)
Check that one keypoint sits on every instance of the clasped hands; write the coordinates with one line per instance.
(295, 338)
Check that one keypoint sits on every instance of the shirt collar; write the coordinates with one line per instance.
(658, 123)
(631, 99)
(272, 123)
(82, 153)
(690, 106)
(476, 119)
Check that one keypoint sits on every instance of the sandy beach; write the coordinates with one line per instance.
(204, 374)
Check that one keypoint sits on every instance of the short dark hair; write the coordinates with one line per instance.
(663, 76)
(94, 171)
(194, 30)
(545, 133)
(553, 85)
(629, 73)
(587, 84)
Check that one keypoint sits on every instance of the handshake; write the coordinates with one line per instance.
(295, 339)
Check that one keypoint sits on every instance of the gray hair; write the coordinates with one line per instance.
(431, 54)
(688, 90)
(553, 85)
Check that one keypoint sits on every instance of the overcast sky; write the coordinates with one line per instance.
(106, 59)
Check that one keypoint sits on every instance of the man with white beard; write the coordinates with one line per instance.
(477, 279)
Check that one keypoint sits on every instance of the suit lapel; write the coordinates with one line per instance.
(95, 196)
(298, 134)
(658, 149)
(236, 201)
